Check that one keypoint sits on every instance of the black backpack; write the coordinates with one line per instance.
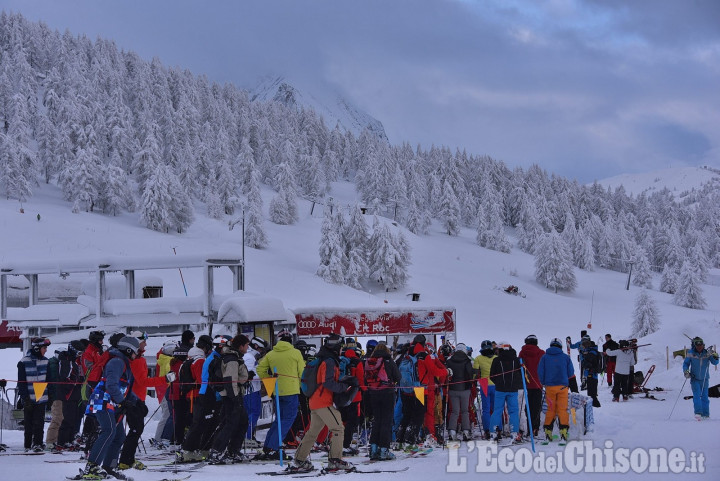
(215, 376)
(185, 377)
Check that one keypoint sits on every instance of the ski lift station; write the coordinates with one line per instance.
(126, 293)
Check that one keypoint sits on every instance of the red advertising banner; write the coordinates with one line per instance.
(9, 335)
(313, 323)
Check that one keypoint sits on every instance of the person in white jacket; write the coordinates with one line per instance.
(624, 359)
(253, 396)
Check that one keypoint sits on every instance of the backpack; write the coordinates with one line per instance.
(348, 365)
(375, 374)
(308, 380)
(408, 374)
(592, 361)
(185, 377)
(215, 376)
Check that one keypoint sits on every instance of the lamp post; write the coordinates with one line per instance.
(627, 287)
(232, 224)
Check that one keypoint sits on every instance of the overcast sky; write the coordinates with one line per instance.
(586, 89)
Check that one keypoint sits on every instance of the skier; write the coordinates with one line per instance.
(696, 367)
(482, 366)
(289, 364)
(433, 374)
(234, 424)
(609, 360)
(32, 368)
(135, 415)
(68, 391)
(531, 355)
(253, 395)
(460, 372)
(625, 358)
(322, 411)
(110, 398)
(507, 376)
(554, 372)
(591, 366)
(353, 366)
(381, 375)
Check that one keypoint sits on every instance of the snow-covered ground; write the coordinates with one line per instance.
(445, 271)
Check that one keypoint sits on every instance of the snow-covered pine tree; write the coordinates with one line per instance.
(585, 254)
(386, 265)
(668, 280)
(332, 254)
(255, 235)
(356, 253)
(449, 210)
(642, 275)
(156, 201)
(283, 207)
(689, 290)
(646, 317)
(553, 263)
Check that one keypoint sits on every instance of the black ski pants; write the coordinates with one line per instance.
(382, 406)
(135, 416)
(234, 425)
(33, 422)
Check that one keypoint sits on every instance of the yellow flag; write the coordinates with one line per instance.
(420, 394)
(39, 388)
(269, 383)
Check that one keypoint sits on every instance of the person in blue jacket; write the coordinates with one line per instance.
(554, 372)
(108, 400)
(697, 368)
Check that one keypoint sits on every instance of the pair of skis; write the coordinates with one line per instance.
(322, 472)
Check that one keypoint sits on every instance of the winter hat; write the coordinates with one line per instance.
(128, 345)
(96, 337)
(39, 342)
(196, 353)
(205, 342)
(115, 338)
(169, 347)
(420, 338)
(531, 339)
(187, 337)
(556, 343)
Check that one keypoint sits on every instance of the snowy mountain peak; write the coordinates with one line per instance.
(676, 179)
(334, 108)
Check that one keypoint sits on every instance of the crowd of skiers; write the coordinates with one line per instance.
(211, 389)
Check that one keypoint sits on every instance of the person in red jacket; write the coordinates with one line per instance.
(530, 355)
(135, 415)
(432, 374)
(323, 412)
(95, 356)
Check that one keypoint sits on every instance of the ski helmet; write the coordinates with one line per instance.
(220, 340)
(624, 343)
(139, 335)
(285, 335)
(258, 342)
(169, 347)
(698, 341)
(128, 345)
(38, 343)
(370, 346)
(531, 339)
(556, 343)
(485, 345)
(75, 348)
(334, 342)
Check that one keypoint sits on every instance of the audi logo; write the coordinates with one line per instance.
(306, 324)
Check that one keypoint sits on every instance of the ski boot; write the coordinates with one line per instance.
(385, 455)
(298, 466)
(112, 473)
(374, 452)
(337, 464)
(93, 471)
(563, 435)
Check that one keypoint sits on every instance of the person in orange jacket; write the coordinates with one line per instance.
(323, 412)
(135, 415)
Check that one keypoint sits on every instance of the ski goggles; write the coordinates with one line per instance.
(699, 342)
(141, 336)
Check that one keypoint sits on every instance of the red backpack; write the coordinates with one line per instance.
(375, 375)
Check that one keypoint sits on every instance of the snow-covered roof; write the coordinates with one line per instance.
(245, 307)
(117, 263)
(46, 315)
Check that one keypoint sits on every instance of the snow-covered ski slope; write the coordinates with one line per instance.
(445, 271)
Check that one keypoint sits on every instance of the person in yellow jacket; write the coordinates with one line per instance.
(482, 365)
(289, 364)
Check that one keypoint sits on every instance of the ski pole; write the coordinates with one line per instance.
(678, 398)
(153, 414)
(445, 420)
(277, 407)
(527, 406)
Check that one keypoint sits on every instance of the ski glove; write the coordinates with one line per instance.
(687, 374)
(170, 377)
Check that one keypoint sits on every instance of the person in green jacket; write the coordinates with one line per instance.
(289, 364)
(482, 364)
